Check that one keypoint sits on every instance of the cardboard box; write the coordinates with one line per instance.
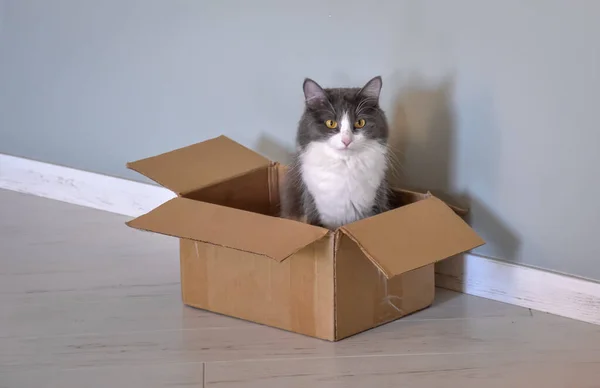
(239, 259)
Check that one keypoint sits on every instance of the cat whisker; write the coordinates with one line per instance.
(363, 104)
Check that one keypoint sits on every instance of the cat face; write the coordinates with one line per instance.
(347, 120)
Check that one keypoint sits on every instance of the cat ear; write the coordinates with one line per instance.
(313, 92)
(372, 89)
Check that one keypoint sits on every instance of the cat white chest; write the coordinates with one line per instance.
(343, 184)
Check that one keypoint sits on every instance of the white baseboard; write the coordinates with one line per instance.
(475, 275)
(79, 187)
(522, 286)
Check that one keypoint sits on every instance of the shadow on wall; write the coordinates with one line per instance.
(421, 134)
(423, 141)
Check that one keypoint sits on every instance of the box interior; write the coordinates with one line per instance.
(259, 191)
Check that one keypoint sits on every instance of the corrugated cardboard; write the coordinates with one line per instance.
(238, 258)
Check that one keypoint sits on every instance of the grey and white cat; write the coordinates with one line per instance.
(339, 172)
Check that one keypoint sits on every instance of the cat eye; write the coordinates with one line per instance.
(360, 123)
(331, 124)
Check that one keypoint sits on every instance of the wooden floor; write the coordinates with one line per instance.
(87, 302)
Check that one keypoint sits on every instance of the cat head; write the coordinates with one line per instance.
(348, 120)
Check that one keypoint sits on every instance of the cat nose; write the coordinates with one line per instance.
(346, 141)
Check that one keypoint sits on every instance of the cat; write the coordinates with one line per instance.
(338, 174)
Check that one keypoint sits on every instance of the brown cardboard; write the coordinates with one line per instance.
(412, 236)
(230, 228)
(249, 192)
(199, 165)
(239, 259)
(295, 295)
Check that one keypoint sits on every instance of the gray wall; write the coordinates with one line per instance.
(495, 102)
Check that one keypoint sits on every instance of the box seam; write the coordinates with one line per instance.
(335, 288)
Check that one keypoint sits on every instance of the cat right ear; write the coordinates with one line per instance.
(372, 89)
(313, 93)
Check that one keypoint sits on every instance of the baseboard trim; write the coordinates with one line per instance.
(471, 274)
(522, 286)
(84, 188)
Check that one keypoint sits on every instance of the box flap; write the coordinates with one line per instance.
(412, 236)
(199, 165)
(402, 197)
(276, 238)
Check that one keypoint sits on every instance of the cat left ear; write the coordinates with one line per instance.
(372, 89)
(313, 92)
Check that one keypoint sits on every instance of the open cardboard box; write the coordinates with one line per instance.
(239, 259)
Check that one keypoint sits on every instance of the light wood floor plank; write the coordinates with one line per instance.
(141, 376)
(493, 370)
(258, 342)
(120, 316)
(454, 305)
(86, 301)
(166, 312)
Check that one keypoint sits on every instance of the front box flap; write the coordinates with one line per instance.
(276, 238)
(412, 236)
(199, 165)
